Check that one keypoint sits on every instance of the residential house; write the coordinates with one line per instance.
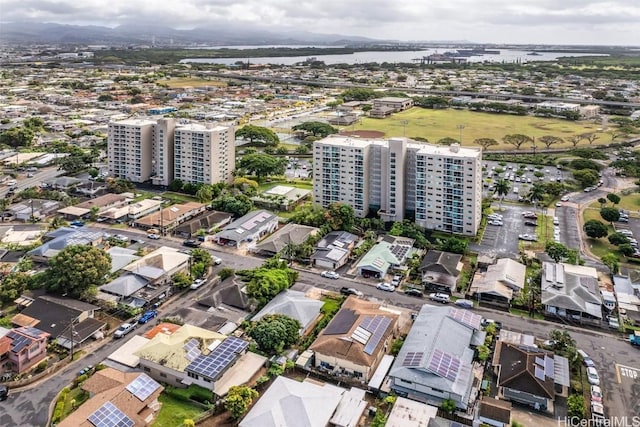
(133, 211)
(356, 339)
(499, 283)
(435, 362)
(29, 210)
(117, 398)
(291, 403)
(290, 234)
(295, 305)
(169, 218)
(248, 229)
(62, 318)
(208, 221)
(57, 240)
(100, 204)
(530, 375)
(571, 292)
(21, 349)
(494, 412)
(410, 413)
(192, 355)
(628, 298)
(121, 257)
(441, 271)
(281, 198)
(334, 249)
(389, 253)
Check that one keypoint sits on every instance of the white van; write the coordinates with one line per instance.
(438, 297)
(556, 221)
(515, 190)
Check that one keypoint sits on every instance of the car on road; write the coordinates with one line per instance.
(528, 237)
(596, 394)
(438, 297)
(592, 376)
(564, 199)
(495, 222)
(586, 360)
(558, 205)
(124, 329)
(531, 223)
(4, 392)
(383, 286)
(197, 283)
(350, 291)
(191, 243)
(12, 182)
(464, 303)
(413, 292)
(148, 315)
(153, 236)
(216, 260)
(330, 275)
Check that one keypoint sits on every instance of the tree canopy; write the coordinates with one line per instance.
(266, 282)
(258, 134)
(409, 229)
(556, 251)
(611, 261)
(262, 165)
(610, 214)
(238, 400)
(549, 140)
(586, 177)
(275, 333)
(78, 270)
(517, 140)
(613, 198)
(319, 129)
(595, 229)
(238, 204)
(485, 142)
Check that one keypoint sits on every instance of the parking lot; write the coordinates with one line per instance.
(521, 177)
(503, 240)
(298, 168)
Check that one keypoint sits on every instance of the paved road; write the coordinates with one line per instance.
(44, 174)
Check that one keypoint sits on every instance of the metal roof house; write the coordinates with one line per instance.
(289, 234)
(435, 362)
(334, 249)
(295, 305)
(499, 283)
(390, 252)
(440, 271)
(63, 237)
(247, 229)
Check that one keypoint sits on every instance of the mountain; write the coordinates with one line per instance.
(219, 33)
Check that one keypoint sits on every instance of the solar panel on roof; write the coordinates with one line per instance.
(341, 323)
(466, 318)
(377, 326)
(413, 359)
(214, 363)
(540, 362)
(143, 386)
(361, 335)
(191, 344)
(32, 332)
(444, 365)
(549, 366)
(108, 415)
(18, 341)
(539, 373)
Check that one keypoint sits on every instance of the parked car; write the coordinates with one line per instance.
(596, 394)
(597, 413)
(383, 286)
(531, 223)
(413, 292)
(495, 222)
(197, 283)
(592, 376)
(216, 260)
(586, 360)
(12, 182)
(330, 275)
(191, 243)
(77, 223)
(464, 303)
(396, 280)
(528, 237)
(350, 291)
(438, 297)
(4, 392)
(124, 329)
(121, 238)
(148, 315)
(153, 236)
(564, 199)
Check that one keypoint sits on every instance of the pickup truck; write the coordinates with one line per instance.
(124, 329)
(634, 338)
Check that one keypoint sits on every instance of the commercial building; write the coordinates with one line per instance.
(161, 150)
(440, 187)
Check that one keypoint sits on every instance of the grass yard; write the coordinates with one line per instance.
(178, 197)
(599, 247)
(190, 82)
(630, 202)
(174, 411)
(437, 124)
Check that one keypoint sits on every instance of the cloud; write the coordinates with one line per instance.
(550, 21)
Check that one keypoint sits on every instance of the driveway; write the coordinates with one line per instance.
(503, 240)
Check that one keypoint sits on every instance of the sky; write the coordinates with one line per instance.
(483, 21)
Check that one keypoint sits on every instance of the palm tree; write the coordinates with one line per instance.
(502, 189)
(537, 192)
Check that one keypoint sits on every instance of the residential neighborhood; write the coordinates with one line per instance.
(190, 244)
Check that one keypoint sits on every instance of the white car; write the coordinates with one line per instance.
(12, 182)
(216, 260)
(124, 329)
(564, 199)
(197, 283)
(438, 297)
(592, 376)
(383, 286)
(495, 222)
(153, 236)
(330, 275)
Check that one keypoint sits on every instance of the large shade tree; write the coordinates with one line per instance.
(275, 333)
(258, 134)
(78, 270)
(517, 140)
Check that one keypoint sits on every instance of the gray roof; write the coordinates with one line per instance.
(441, 262)
(291, 403)
(246, 226)
(290, 233)
(569, 290)
(125, 285)
(121, 257)
(435, 330)
(63, 237)
(293, 304)
(338, 239)
(622, 285)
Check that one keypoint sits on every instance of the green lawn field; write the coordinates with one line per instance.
(437, 124)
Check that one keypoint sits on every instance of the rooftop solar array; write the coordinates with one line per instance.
(212, 364)
(19, 341)
(400, 251)
(361, 335)
(539, 373)
(413, 359)
(341, 323)
(143, 386)
(108, 415)
(377, 325)
(466, 317)
(444, 365)
(192, 347)
(32, 332)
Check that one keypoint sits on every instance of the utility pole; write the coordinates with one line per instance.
(460, 127)
(73, 334)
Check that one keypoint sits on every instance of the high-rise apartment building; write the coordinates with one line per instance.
(439, 187)
(162, 150)
(129, 149)
(204, 154)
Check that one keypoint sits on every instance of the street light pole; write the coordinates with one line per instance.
(460, 127)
